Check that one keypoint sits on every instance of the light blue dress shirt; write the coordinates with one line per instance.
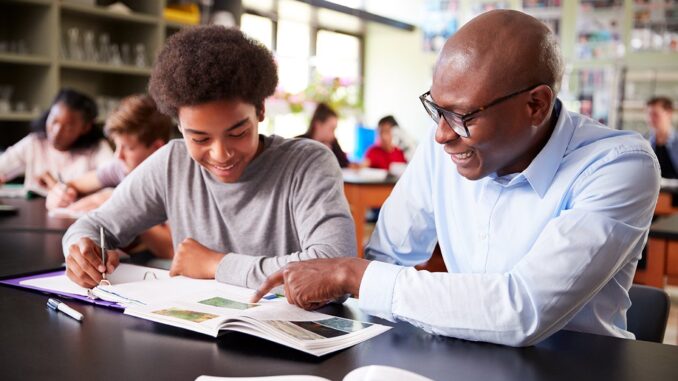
(553, 247)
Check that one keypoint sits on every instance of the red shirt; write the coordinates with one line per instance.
(379, 158)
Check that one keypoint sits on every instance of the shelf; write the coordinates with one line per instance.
(24, 59)
(31, 2)
(106, 14)
(177, 25)
(17, 117)
(105, 68)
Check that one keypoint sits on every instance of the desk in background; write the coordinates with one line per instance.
(662, 254)
(363, 195)
(32, 216)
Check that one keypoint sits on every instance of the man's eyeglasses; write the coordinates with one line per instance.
(458, 121)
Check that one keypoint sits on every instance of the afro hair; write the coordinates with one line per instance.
(209, 63)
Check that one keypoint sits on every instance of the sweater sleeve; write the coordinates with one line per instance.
(322, 220)
(13, 161)
(136, 205)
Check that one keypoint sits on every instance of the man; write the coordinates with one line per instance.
(662, 137)
(541, 214)
(240, 205)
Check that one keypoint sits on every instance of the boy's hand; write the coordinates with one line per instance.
(194, 260)
(84, 266)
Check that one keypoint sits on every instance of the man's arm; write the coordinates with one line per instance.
(576, 255)
(405, 232)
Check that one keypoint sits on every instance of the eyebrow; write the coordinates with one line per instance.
(233, 127)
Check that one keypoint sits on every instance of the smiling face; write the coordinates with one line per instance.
(64, 126)
(500, 137)
(505, 137)
(222, 136)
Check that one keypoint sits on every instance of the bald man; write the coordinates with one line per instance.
(541, 214)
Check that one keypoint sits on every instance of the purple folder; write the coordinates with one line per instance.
(16, 282)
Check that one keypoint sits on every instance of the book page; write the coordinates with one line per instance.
(122, 274)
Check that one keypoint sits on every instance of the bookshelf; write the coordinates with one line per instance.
(36, 58)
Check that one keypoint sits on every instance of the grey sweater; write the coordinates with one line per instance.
(287, 206)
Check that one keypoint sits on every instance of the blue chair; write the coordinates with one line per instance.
(648, 313)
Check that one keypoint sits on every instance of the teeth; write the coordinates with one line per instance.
(463, 155)
(221, 168)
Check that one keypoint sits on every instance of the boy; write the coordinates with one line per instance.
(240, 205)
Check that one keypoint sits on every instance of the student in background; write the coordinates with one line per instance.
(663, 138)
(382, 154)
(138, 130)
(64, 145)
(322, 127)
(240, 205)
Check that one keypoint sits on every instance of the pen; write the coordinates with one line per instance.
(58, 305)
(103, 251)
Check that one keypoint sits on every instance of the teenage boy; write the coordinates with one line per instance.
(240, 205)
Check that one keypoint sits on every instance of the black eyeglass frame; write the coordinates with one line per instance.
(458, 125)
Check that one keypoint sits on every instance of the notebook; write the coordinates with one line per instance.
(211, 308)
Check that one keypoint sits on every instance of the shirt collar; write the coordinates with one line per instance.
(541, 171)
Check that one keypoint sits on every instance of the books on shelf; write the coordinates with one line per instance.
(212, 308)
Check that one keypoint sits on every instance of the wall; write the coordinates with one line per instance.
(396, 73)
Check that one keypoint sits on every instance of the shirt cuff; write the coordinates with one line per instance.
(376, 289)
(235, 269)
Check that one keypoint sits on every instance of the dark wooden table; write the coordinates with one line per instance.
(40, 344)
(32, 216)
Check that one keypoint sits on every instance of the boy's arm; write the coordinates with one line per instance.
(135, 206)
(322, 218)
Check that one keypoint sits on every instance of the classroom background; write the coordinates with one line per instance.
(365, 58)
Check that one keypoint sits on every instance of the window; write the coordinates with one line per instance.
(318, 51)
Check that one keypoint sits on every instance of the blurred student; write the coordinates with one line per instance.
(240, 205)
(384, 152)
(63, 146)
(323, 124)
(663, 138)
(138, 130)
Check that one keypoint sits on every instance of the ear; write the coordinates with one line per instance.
(261, 112)
(539, 104)
(157, 143)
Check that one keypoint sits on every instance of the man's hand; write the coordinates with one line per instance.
(84, 265)
(313, 283)
(194, 260)
(60, 196)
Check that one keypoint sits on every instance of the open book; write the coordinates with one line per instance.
(211, 308)
(365, 373)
